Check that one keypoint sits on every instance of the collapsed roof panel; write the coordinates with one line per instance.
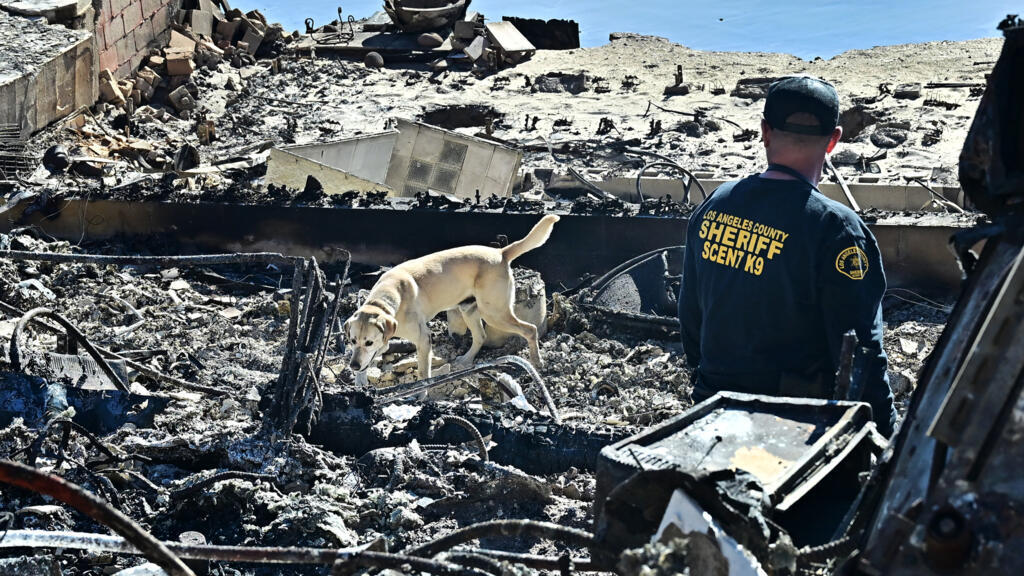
(359, 163)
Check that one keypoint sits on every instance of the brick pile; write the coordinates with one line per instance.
(200, 35)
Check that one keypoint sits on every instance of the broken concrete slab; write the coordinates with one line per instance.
(468, 27)
(181, 41)
(477, 48)
(201, 22)
(55, 11)
(359, 163)
(179, 62)
(510, 44)
(110, 90)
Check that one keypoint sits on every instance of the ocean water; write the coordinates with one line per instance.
(803, 28)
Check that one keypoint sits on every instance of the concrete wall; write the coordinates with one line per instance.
(126, 29)
(897, 197)
(54, 77)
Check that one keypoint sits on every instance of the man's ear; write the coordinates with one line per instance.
(765, 132)
(837, 134)
(388, 326)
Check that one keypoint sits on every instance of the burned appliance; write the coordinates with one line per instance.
(803, 458)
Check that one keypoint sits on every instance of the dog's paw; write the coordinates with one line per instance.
(463, 362)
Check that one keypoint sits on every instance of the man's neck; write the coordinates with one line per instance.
(810, 169)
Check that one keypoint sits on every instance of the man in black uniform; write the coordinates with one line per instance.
(775, 273)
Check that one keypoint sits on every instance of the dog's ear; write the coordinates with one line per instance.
(388, 326)
(345, 328)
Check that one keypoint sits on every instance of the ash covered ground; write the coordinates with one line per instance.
(585, 105)
(225, 328)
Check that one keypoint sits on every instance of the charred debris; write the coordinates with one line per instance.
(176, 396)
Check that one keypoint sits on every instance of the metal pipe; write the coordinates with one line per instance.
(842, 184)
(87, 503)
(412, 388)
(509, 528)
(664, 158)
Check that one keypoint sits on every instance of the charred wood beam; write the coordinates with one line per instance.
(29, 478)
(297, 390)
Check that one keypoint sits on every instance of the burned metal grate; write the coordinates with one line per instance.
(84, 372)
(445, 179)
(420, 171)
(13, 159)
(454, 153)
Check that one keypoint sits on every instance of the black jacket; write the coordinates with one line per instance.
(774, 274)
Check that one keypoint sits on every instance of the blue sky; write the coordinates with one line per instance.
(804, 28)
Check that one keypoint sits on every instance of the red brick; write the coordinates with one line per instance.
(108, 60)
(101, 35)
(149, 7)
(115, 30)
(132, 17)
(143, 35)
(161, 21)
(105, 14)
(125, 49)
(137, 59)
(118, 6)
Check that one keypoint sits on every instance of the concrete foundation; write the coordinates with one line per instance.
(914, 251)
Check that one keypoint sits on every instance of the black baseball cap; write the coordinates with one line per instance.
(795, 94)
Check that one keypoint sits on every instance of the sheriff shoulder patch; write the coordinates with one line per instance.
(852, 263)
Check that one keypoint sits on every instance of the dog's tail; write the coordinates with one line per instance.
(535, 239)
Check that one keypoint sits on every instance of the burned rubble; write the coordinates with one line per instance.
(209, 399)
